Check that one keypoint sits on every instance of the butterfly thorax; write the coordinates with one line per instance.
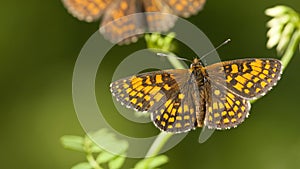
(198, 71)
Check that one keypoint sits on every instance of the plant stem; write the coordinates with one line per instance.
(163, 137)
(175, 62)
(286, 58)
(89, 155)
(92, 161)
(158, 143)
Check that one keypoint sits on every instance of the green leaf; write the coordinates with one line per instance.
(104, 157)
(72, 142)
(170, 37)
(96, 149)
(156, 41)
(158, 161)
(117, 162)
(83, 165)
(151, 163)
(109, 141)
(141, 164)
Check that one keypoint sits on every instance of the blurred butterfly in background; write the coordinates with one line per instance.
(122, 29)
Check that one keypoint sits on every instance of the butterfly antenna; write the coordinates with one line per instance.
(171, 55)
(215, 49)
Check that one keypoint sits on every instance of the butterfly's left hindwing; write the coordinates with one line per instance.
(233, 84)
(167, 95)
(224, 109)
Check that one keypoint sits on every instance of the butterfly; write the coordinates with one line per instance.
(115, 27)
(217, 96)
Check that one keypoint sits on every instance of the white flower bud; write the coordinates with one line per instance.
(277, 11)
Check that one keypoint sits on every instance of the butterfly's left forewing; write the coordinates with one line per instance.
(248, 78)
(233, 84)
(168, 95)
(224, 109)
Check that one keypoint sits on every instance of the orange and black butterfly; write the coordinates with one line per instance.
(114, 10)
(216, 96)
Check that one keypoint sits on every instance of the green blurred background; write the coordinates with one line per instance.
(40, 42)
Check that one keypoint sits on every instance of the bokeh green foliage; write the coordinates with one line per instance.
(115, 161)
(39, 46)
(284, 32)
(98, 158)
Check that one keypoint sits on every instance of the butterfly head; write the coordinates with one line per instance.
(196, 64)
(199, 72)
